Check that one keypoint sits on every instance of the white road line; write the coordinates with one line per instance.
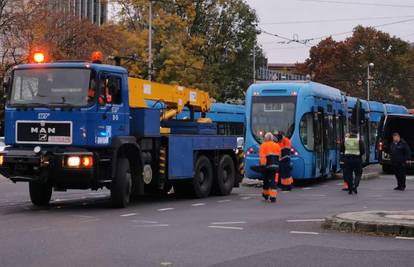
(152, 225)
(227, 223)
(404, 238)
(144, 221)
(198, 204)
(307, 188)
(165, 209)
(166, 263)
(245, 198)
(306, 220)
(224, 200)
(128, 215)
(303, 233)
(225, 227)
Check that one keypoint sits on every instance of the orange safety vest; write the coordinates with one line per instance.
(268, 148)
(285, 143)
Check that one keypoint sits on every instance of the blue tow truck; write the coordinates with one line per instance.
(86, 125)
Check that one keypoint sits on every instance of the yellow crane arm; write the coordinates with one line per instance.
(175, 97)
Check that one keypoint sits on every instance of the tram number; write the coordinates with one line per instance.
(115, 117)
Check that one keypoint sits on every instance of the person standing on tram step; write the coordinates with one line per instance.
(269, 155)
(400, 154)
(285, 169)
(353, 150)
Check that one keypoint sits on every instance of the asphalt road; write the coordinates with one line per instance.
(80, 229)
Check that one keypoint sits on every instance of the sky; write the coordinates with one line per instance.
(307, 19)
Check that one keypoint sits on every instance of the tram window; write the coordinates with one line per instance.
(306, 131)
(330, 132)
(374, 132)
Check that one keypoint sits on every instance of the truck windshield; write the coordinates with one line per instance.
(272, 114)
(53, 87)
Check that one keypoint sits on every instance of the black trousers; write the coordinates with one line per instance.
(352, 171)
(400, 170)
(270, 184)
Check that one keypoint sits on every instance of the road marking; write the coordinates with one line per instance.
(404, 238)
(303, 233)
(245, 198)
(224, 200)
(144, 221)
(165, 209)
(306, 220)
(128, 215)
(227, 223)
(226, 227)
(307, 188)
(198, 204)
(166, 263)
(152, 225)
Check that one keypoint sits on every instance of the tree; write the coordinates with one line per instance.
(343, 64)
(203, 43)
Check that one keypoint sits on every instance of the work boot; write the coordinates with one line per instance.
(273, 199)
(266, 197)
(349, 192)
(355, 190)
(397, 188)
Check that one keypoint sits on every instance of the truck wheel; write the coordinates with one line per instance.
(40, 193)
(122, 184)
(203, 179)
(226, 175)
(387, 169)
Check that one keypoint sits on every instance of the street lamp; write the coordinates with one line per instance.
(370, 65)
(150, 41)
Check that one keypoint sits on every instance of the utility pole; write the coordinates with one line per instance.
(150, 42)
(254, 64)
(370, 65)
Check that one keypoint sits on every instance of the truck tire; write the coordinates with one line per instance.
(121, 186)
(387, 169)
(226, 176)
(40, 193)
(203, 179)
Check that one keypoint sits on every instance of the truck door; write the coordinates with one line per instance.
(113, 108)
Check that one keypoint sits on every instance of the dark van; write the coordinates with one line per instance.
(400, 123)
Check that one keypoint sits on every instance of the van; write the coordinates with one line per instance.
(400, 123)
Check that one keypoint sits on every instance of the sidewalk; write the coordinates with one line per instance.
(397, 223)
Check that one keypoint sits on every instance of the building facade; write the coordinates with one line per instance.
(96, 11)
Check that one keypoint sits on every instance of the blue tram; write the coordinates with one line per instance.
(315, 117)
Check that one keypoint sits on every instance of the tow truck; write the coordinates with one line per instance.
(88, 125)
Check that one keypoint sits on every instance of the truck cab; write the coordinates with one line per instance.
(82, 125)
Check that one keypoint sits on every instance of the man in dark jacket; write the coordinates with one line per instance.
(400, 154)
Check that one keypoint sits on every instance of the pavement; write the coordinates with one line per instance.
(399, 223)
(80, 228)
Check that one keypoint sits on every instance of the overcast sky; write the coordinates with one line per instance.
(305, 19)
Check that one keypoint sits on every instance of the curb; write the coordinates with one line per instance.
(385, 229)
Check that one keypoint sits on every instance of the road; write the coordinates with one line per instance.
(80, 229)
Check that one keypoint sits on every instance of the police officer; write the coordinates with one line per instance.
(353, 150)
(400, 154)
(269, 154)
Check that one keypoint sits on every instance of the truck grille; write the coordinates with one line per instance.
(44, 132)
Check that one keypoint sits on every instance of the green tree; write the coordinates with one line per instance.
(343, 64)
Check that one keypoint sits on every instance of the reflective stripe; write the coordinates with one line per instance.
(287, 181)
(277, 177)
(266, 192)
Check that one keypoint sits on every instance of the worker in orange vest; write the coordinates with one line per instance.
(286, 179)
(269, 156)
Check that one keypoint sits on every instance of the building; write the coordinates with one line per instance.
(96, 11)
(280, 71)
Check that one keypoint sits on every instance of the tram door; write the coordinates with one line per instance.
(318, 121)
